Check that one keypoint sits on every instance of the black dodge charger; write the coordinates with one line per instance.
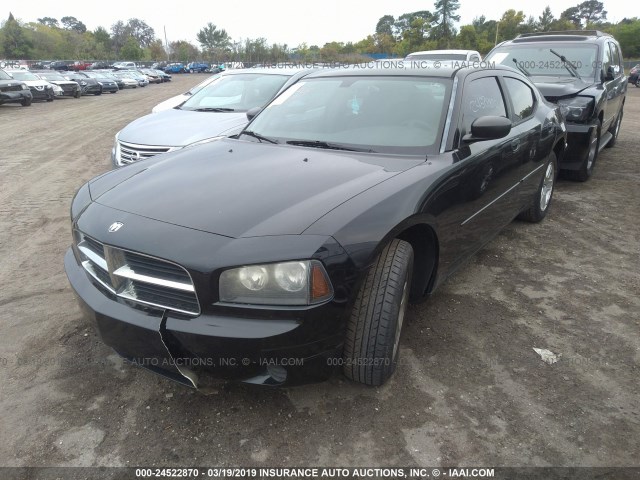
(294, 248)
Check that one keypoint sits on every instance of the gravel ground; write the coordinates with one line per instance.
(469, 390)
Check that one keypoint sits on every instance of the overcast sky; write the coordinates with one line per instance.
(279, 21)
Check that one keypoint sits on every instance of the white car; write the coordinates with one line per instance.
(445, 55)
(40, 89)
(183, 97)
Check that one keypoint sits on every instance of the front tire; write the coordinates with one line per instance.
(78, 94)
(373, 333)
(542, 199)
(615, 129)
(26, 102)
(586, 169)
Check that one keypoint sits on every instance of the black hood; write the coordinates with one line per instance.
(557, 87)
(244, 189)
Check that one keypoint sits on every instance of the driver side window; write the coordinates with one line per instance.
(481, 97)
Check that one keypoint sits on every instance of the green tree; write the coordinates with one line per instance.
(467, 38)
(213, 39)
(510, 24)
(49, 22)
(72, 23)
(592, 11)
(545, 20)
(183, 51)
(572, 15)
(443, 19)
(131, 50)
(14, 41)
(385, 25)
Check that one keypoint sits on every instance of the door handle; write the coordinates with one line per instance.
(515, 145)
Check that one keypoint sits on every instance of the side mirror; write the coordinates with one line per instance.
(611, 74)
(253, 112)
(488, 128)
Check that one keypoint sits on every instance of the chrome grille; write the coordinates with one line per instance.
(137, 277)
(131, 152)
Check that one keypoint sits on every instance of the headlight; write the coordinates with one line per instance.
(25, 86)
(206, 140)
(83, 83)
(289, 283)
(576, 109)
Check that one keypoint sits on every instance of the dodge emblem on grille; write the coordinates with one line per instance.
(115, 226)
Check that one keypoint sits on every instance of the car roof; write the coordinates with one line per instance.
(289, 71)
(400, 68)
(422, 52)
(561, 36)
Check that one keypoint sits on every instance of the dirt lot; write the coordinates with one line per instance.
(470, 390)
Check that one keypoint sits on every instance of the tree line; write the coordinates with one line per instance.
(68, 38)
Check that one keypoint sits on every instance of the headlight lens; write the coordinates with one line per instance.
(576, 109)
(253, 278)
(288, 283)
(83, 83)
(25, 86)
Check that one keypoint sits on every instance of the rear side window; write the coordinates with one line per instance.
(616, 61)
(522, 98)
(482, 97)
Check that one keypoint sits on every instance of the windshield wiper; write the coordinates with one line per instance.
(213, 109)
(261, 138)
(326, 145)
(521, 68)
(567, 64)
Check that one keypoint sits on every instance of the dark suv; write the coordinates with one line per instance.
(14, 91)
(581, 71)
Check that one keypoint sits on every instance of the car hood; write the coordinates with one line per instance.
(555, 87)
(170, 103)
(36, 83)
(177, 128)
(244, 189)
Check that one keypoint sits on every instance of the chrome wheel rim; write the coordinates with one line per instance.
(547, 187)
(593, 146)
(403, 309)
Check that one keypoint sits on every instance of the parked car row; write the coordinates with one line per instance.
(24, 86)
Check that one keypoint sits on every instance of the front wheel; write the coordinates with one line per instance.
(586, 169)
(615, 130)
(542, 199)
(77, 94)
(373, 333)
(26, 102)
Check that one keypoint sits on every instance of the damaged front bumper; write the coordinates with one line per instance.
(201, 351)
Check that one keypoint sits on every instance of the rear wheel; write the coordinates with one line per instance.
(586, 169)
(542, 199)
(373, 333)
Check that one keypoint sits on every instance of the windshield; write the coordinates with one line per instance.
(4, 76)
(437, 56)
(240, 92)
(24, 76)
(52, 76)
(538, 60)
(387, 114)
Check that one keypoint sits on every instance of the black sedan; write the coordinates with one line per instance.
(107, 84)
(87, 84)
(299, 243)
